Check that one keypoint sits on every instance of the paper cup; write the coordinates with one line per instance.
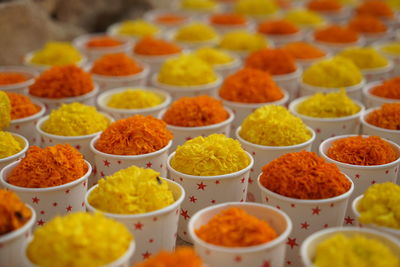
(267, 254)
(113, 30)
(305, 63)
(228, 68)
(336, 16)
(8, 160)
(204, 191)
(119, 113)
(153, 231)
(93, 53)
(378, 74)
(335, 47)
(21, 87)
(390, 231)
(123, 261)
(108, 164)
(195, 90)
(265, 154)
(152, 16)
(54, 103)
(371, 38)
(225, 28)
(328, 127)
(289, 82)
(41, 68)
(183, 134)
(354, 92)
(369, 129)
(309, 247)
(282, 39)
(242, 110)
(12, 243)
(154, 62)
(362, 176)
(308, 216)
(371, 100)
(191, 44)
(26, 126)
(393, 57)
(110, 82)
(51, 201)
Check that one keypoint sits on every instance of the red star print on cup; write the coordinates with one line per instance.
(146, 255)
(193, 199)
(138, 226)
(184, 214)
(348, 220)
(35, 200)
(106, 163)
(238, 258)
(305, 225)
(292, 242)
(201, 186)
(316, 211)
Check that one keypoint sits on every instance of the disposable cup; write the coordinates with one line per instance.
(265, 154)
(289, 82)
(41, 68)
(152, 16)
(328, 127)
(282, 39)
(308, 216)
(394, 57)
(335, 47)
(371, 100)
(113, 30)
(153, 231)
(191, 44)
(354, 91)
(155, 62)
(225, 28)
(267, 254)
(305, 63)
(371, 38)
(21, 87)
(204, 191)
(378, 74)
(8, 160)
(50, 201)
(229, 68)
(336, 16)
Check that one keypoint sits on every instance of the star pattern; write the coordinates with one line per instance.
(238, 258)
(357, 176)
(149, 164)
(69, 208)
(193, 199)
(266, 264)
(35, 200)
(138, 226)
(305, 225)
(292, 242)
(201, 186)
(316, 211)
(146, 255)
(348, 220)
(184, 214)
(243, 180)
(40, 222)
(106, 163)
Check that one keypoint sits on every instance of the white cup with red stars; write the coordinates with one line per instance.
(153, 231)
(49, 202)
(307, 215)
(204, 191)
(268, 254)
(21, 87)
(289, 82)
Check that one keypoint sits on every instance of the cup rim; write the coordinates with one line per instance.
(126, 157)
(284, 36)
(309, 61)
(42, 67)
(171, 34)
(338, 198)
(184, 88)
(21, 69)
(262, 147)
(222, 176)
(379, 70)
(113, 30)
(293, 109)
(15, 188)
(236, 62)
(295, 74)
(346, 165)
(101, 99)
(281, 101)
(152, 14)
(156, 58)
(20, 153)
(273, 243)
(80, 42)
(33, 116)
(15, 233)
(158, 212)
(360, 41)
(378, 45)
(367, 93)
(376, 128)
(143, 73)
(349, 89)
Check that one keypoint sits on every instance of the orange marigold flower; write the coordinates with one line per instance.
(388, 89)
(388, 116)
(118, 64)
(375, 8)
(150, 46)
(169, 18)
(182, 257)
(105, 41)
(324, 5)
(336, 34)
(302, 50)
(21, 106)
(7, 78)
(13, 212)
(228, 19)
(367, 24)
(273, 61)
(279, 26)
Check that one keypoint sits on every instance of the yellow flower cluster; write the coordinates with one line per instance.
(392, 48)
(199, 5)
(195, 32)
(138, 28)
(9, 145)
(56, 54)
(304, 18)
(5, 110)
(134, 99)
(364, 57)
(243, 41)
(256, 7)
(213, 56)
(79, 240)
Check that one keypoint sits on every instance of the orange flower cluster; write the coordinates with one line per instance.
(13, 212)
(250, 86)
(228, 19)
(324, 5)
(7, 78)
(195, 111)
(365, 151)
(273, 61)
(302, 50)
(279, 26)
(182, 257)
(62, 81)
(375, 8)
(388, 89)
(48, 167)
(150, 46)
(101, 42)
(135, 135)
(234, 227)
(367, 24)
(118, 64)
(387, 117)
(169, 18)
(304, 175)
(21, 106)
(336, 34)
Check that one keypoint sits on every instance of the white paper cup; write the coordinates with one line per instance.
(113, 30)
(26, 126)
(152, 16)
(371, 100)
(289, 82)
(336, 16)
(119, 113)
(12, 243)
(155, 62)
(108, 164)
(225, 28)
(192, 44)
(369, 129)
(228, 68)
(305, 63)
(41, 68)
(378, 74)
(110, 82)
(335, 47)
(51, 201)
(54, 103)
(362, 176)
(242, 110)
(309, 247)
(21, 87)
(371, 38)
(183, 134)
(390, 231)
(354, 92)
(204, 191)
(328, 127)
(308, 216)
(282, 39)
(394, 58)
(267, 254)
(93, 53)
(194, 90)
(153, 231)
(123, 261)
(8, 160)
(265, 154)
